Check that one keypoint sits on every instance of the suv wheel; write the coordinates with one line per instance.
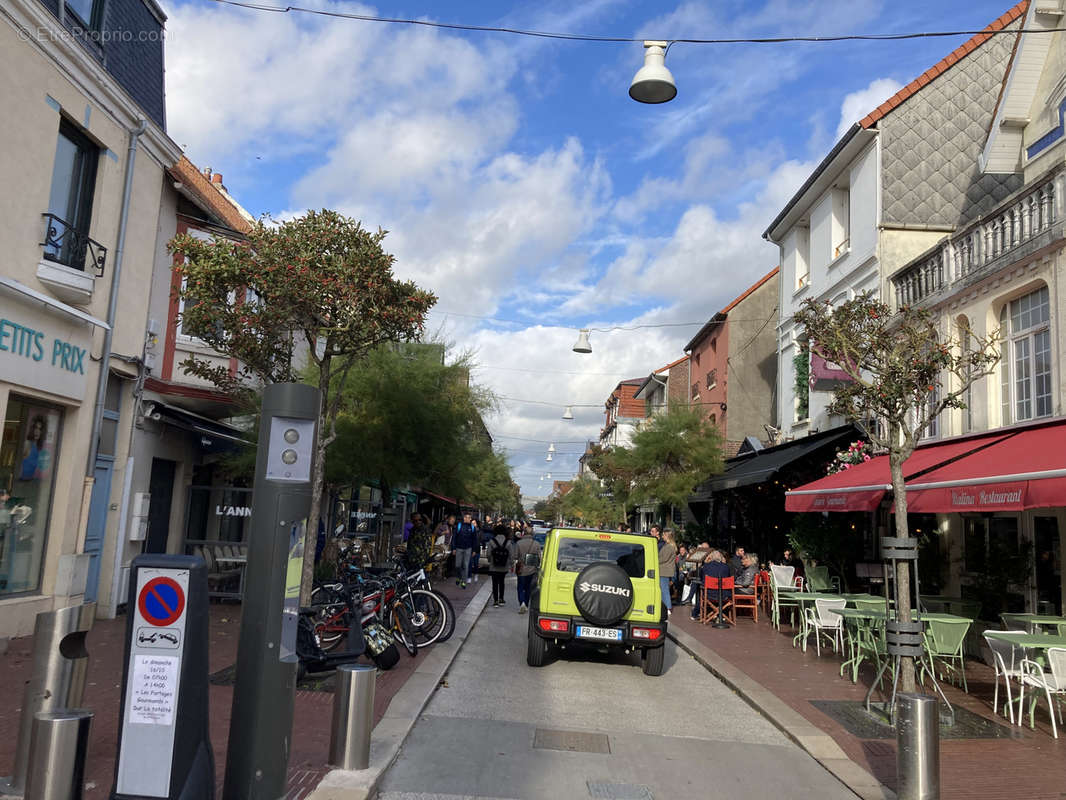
(652, 659)
(536, 647)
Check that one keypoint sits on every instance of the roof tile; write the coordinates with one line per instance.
(945, 63)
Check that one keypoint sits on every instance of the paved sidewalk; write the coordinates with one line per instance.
(105, 643)
(1027, 763)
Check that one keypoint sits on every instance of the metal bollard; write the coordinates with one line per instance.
(917, 747)
(60, 663)
(353, 716)
(58, 743)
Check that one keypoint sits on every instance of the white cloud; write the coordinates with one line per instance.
(858, 104)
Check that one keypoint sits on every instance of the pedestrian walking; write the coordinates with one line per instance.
(501, 552)
(667, 566)
(526, 573)
(465, 541)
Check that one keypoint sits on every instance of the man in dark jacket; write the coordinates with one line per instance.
(736, 563)
(465, 542)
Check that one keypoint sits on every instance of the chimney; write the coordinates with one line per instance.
(217, 178)
(207, 172)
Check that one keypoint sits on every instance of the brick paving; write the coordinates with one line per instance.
(1030, 764)
(105, 643)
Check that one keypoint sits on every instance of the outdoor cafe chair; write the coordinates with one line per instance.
(818, 579)
(1014, 622)
(749, 602)
(722, 590)
(821, 620)
(780, 576)
(1006, 661)
(943, 646)
(1051, 684)
(765, 593)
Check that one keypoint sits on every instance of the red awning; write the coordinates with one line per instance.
(862, 487)
(1027, 469)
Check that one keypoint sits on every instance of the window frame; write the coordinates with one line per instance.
(1011, 341)
(82, 192)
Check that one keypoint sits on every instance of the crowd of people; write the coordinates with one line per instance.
(505, 543)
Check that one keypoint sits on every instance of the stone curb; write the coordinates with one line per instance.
(819, 744)
(403, 711)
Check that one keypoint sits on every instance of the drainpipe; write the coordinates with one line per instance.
(112, 301)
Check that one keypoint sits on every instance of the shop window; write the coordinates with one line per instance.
(987, 541)
(29, 452)
(1025, 367)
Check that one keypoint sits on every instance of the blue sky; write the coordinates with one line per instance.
(521, 183)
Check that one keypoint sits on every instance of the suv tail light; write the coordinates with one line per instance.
(554, 625)
(651, 634)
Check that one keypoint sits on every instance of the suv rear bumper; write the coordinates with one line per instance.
(628, 638)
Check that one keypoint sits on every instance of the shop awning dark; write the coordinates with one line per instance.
(214, 436)
(749, 470)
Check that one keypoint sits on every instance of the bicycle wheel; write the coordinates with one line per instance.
(428, 614)
(449, 624)
(332, 617)
(402, 629)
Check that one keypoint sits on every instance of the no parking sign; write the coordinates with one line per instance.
(164, 704)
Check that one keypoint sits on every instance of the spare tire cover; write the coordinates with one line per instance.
(603, 593)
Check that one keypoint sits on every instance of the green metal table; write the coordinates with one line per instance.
(1037, 621)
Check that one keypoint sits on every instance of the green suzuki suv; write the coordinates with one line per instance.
(599, 587)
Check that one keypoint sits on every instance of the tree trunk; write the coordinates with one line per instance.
(903, 576)
(318, 474)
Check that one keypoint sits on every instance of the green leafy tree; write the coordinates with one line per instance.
(903, 372)
(406, 416)
(672, 453)
(614, 468)
(587, 504)
(319, 284)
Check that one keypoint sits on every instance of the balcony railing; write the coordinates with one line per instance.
(66, 245)
(1016, 222)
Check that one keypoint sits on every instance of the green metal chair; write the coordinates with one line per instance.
(1014, 622)
(818, 579)
(943, 647)
(781, 576)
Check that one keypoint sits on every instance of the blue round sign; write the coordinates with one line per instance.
(161, 601)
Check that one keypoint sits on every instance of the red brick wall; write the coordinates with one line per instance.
(712, 354)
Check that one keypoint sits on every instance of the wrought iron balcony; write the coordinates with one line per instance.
(66, 245)
(1018, 221)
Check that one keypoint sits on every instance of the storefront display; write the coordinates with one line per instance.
(28, 454)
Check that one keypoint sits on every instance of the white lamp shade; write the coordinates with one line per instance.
(653, 82)
(549, 458)
(583, 345)
(569, 413)
(551, 447)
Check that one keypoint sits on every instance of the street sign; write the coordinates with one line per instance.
(164, 749)
(161, 601)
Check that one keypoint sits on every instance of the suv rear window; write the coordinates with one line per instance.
(576, 554)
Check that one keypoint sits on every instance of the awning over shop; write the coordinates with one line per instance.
(1026, 469)
(761, 466)
(861, 487)
(1007, 470)
(213, 436)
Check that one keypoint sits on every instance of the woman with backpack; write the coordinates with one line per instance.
(502, 555)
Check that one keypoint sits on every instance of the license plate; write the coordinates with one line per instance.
(608, 634)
